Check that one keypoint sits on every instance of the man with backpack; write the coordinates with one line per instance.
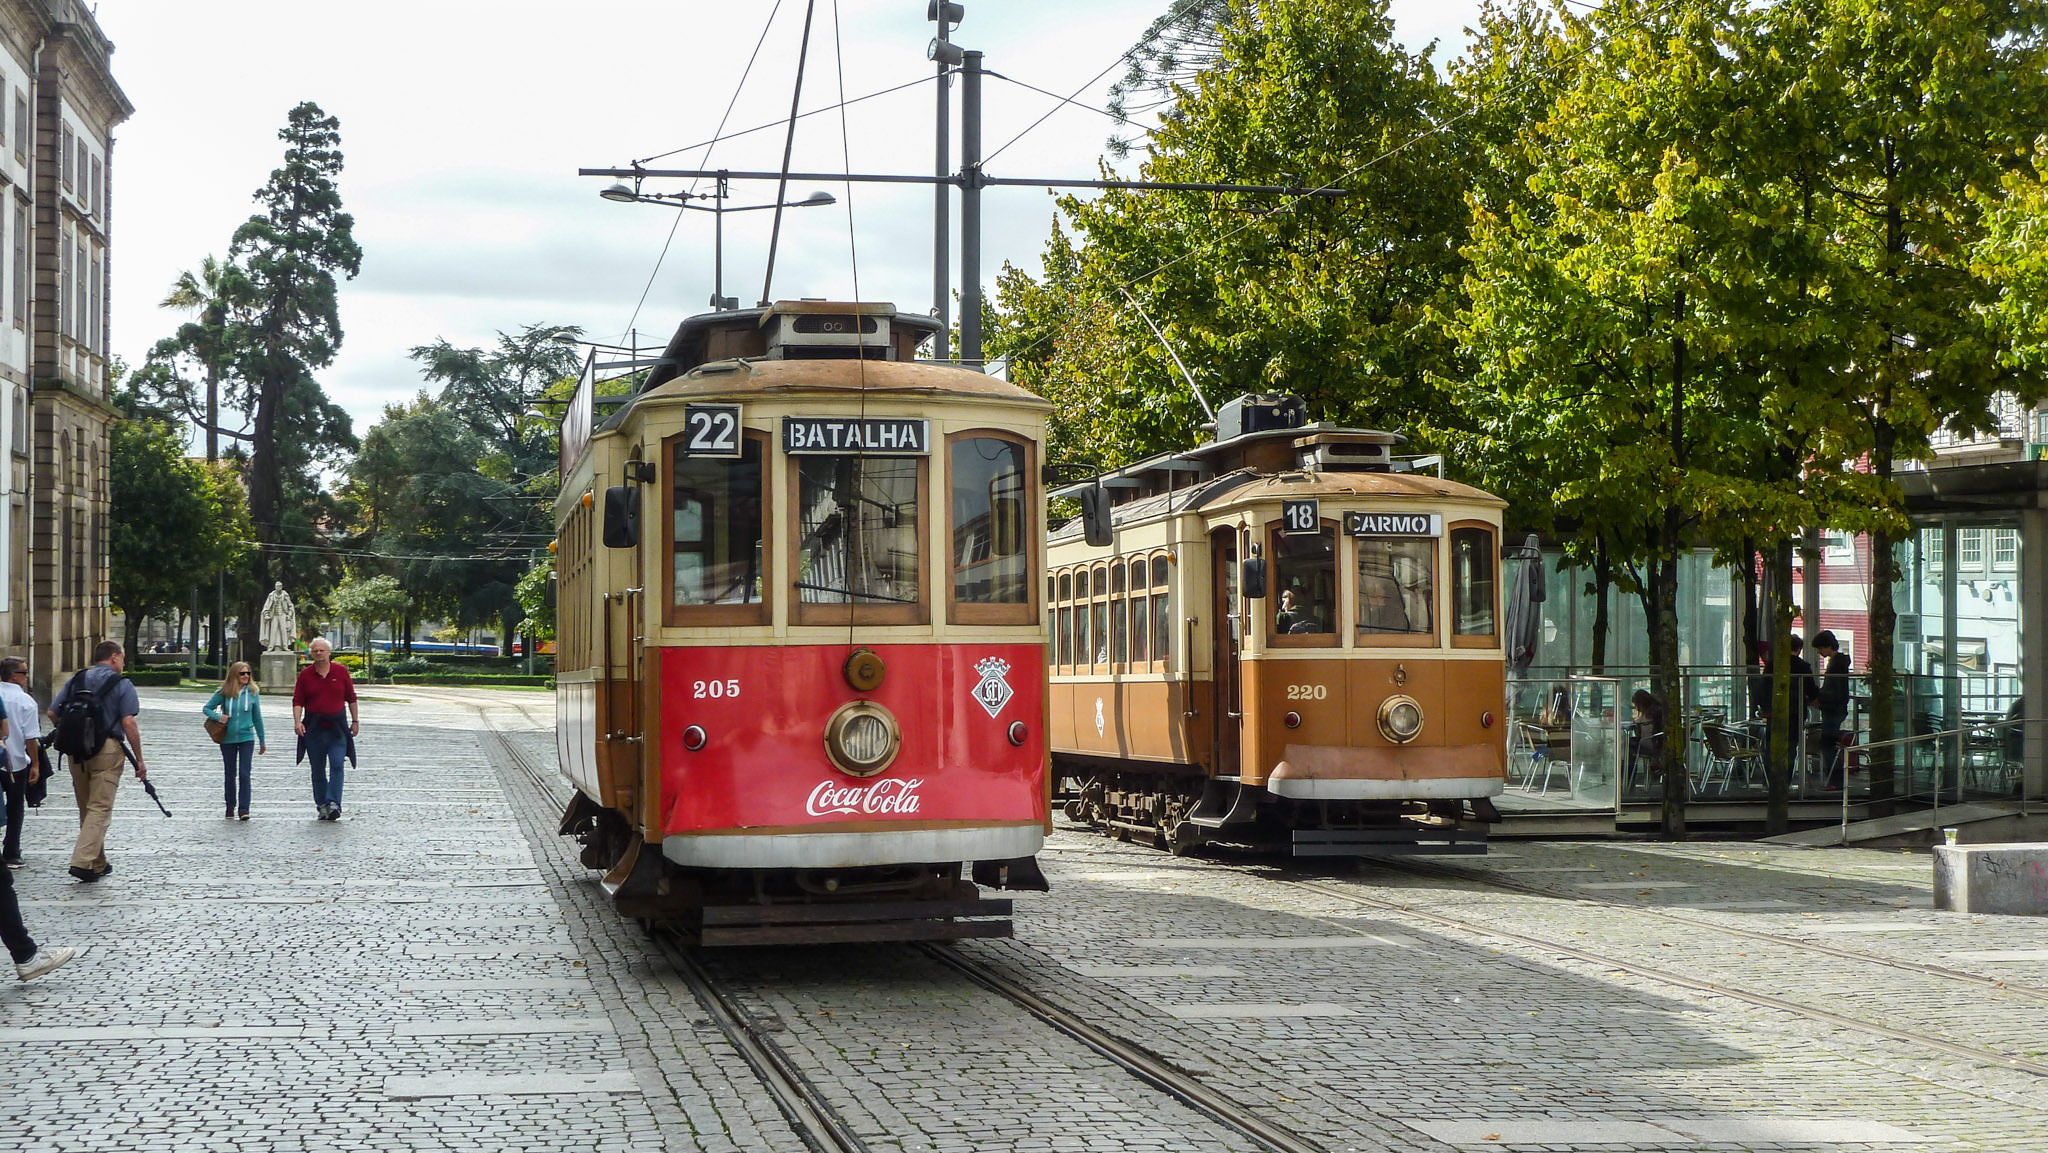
(95, 727)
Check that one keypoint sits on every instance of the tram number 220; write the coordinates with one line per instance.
(1307, 692)
(711, 430)
(714, 690)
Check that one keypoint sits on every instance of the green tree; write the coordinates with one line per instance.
(174, 523)
(1324, 297)
(532, 592)
(369, 602)
(291, 254)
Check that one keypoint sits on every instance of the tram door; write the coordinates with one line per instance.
(1226, 646)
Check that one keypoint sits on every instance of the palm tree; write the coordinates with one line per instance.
(214, 293)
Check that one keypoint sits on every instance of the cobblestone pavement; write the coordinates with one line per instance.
(436, 971)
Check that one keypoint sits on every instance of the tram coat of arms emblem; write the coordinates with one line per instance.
(992, 692)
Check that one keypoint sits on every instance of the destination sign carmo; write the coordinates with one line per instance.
(1393, 524)
(878, 434)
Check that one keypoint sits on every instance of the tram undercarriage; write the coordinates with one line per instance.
(1180, 812)
(724, 907)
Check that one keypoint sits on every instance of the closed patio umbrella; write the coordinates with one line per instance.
(1525, 607)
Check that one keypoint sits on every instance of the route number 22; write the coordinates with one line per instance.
(714, 690)
(711, 430)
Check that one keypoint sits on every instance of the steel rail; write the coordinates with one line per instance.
(1649, 972)
(2030, 992)
(1139, 1062)
(803, 1105)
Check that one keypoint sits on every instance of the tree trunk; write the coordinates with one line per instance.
(131, 633)
(1660, 605)
(1884, 623)
(1788, 701)
(1603, 580)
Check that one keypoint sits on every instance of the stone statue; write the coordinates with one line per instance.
(280, 620)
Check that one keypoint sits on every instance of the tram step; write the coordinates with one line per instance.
(816, 914)
(839, 933)
(1388, 842)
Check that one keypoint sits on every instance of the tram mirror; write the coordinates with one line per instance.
(547, 593)
(1252, 578)
(622, 516)
(1095, 526)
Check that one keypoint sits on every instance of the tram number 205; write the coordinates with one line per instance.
(714, 690)
(1307, 692)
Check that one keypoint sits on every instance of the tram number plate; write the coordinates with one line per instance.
(711, 430)
(1299, 517)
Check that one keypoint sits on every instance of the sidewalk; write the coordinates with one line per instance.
(288, 984)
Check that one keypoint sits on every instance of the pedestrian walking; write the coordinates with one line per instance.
(238, 705)
(20, 733)
(95, 727)
(322, 699)
(30, 962)
(1834, 703)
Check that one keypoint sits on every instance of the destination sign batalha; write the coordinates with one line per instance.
(893, 435)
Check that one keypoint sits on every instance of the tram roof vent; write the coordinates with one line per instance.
(1259, 412)
(1352, 451)
(828, 330)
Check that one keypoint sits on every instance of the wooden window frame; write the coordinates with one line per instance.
(1098, 594)
(969, 612)
(812, 613)
(1490, 640)
(677, 616)
(1361, 639)
(1328, 639)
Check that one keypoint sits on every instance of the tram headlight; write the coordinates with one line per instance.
(1400, 719)
(862, 738)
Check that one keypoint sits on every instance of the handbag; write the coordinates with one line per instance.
(216, 729)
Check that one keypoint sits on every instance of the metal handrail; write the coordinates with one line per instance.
(1958, 733)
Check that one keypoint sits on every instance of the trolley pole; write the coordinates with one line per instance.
(970, 211)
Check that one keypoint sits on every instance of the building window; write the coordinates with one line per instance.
(64, 285)
(1972, 549)
(21, 128)
(21, 413)
(64, 158)
(78, 283)
(21, 266)
(1931, 542)
(2005, 548)
(93, 315)
(99, 190)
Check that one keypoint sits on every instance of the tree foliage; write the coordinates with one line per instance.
(175, 522)
(370, 602)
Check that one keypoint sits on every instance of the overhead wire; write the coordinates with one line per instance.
(1124, 120)
(853, 262)
(677, 223)
(777, 123)
(1091, 82)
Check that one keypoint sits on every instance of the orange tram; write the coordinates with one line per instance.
(1285, 637)
(801, 676)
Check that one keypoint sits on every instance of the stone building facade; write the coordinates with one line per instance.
(59, 105)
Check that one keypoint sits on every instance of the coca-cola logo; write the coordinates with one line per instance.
(889, 798)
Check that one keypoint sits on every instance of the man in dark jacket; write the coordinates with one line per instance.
(1833, 695)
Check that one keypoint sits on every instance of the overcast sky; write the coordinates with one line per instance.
(463, 123)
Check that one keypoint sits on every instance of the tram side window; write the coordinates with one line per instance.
(1099, 613)
(1304, 588)
(991, 552)
(1081, 649)
(1141, 615)
(857, 531)
(717, 528)
(1396, 586)
(1473, 563)
(1162, 610)
(1064, 630)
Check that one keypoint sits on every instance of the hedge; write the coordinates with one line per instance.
(157, 677)
(501, 680)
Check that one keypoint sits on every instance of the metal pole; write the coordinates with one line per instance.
(717, 251)
(970, 210)
(942, 212)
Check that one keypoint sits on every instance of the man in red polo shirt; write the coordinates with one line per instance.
(318, 713)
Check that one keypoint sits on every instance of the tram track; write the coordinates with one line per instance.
(1661, 975)
(808, 1108)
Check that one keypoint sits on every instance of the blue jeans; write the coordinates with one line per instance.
(325, 750)
(236, 758)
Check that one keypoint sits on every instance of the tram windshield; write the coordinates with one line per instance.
(1472, 568)
(717, 528)
(990, 561)
(1396, 586)
(857, 530)
(1304, 597)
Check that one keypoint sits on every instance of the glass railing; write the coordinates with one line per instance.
(1574, 742)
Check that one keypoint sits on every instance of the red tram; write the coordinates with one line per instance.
(809, 684)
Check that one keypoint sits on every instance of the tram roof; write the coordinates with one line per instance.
(1246, 486)
(772, 377)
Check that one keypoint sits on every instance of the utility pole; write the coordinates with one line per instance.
(945, 55)
(970, 210)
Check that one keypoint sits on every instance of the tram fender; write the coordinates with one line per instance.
(1019, 873)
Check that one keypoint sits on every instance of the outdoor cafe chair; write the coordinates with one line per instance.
(1728, 754)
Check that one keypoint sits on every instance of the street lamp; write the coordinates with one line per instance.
(623, 193)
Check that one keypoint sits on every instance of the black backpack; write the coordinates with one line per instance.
(81, 724)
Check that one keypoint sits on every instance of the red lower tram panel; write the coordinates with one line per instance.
(795, 807)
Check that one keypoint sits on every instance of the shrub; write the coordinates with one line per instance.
(405, 666)
(353, 662)
(157, 677)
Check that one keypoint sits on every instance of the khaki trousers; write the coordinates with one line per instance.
(95, 779)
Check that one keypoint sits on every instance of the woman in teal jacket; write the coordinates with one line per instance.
(238, 704)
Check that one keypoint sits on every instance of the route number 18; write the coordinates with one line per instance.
(1299, 516)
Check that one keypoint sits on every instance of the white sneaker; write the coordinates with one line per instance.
(43, 962)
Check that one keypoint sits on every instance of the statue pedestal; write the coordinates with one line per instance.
(279, 670)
